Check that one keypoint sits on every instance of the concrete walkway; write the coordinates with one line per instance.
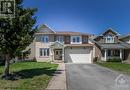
(58, 81)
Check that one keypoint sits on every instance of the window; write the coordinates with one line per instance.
(113, 52)
(60, 39)
(44, 51)
(67, 39)
(56, 52)
(78, 39)
(116, 53)
(128, 41)
(75, 39)
(85, 39)
(109, 53)
(45, 39)
(109, 39)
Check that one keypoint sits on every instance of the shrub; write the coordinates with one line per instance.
(114, 60)
(2, 62)
(95, 59)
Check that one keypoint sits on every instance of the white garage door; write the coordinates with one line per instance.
(78, 55)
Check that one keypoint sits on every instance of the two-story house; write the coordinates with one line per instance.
(76, 47)
(111, 45)
(65, 46)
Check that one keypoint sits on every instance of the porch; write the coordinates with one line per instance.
(112, 54)
(57, 52)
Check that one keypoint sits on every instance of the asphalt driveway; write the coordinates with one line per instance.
(94, 77)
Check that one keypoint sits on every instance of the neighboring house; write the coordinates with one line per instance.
(65, 46)
(111, 45)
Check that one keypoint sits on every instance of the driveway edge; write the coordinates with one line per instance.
(58, 81)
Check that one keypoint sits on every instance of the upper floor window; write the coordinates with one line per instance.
(75, 39)
(85, 39)
(109, 39)
(128, 41)
(60, 39)
(45, 39)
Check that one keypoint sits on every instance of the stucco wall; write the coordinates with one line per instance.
(37, 50)
(38, 38)
(32, 50)
(39, 44)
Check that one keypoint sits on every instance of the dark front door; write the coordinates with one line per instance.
(126, 54)
(58, 54)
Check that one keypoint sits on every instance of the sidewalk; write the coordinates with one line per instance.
(58, 81)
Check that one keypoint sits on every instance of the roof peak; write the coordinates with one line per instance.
(111, 29)
(45, 26)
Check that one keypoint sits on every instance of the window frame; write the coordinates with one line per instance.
(128, 41)
(76, 40)
(85, 39)
(60, 39)
(45, 39)
(44, 52)
(109, 39)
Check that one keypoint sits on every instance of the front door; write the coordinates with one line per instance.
(58, 54)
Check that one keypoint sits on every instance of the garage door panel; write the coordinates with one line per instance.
(78, 55)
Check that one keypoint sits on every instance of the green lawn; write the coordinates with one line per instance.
(34, 76)
(121, 67)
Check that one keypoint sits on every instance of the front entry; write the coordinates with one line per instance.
(58, 54)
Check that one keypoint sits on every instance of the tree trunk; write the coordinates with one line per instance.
(7, 64)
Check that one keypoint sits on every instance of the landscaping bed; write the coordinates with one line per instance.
(31, 76)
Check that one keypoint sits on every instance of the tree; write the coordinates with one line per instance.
(16, 33)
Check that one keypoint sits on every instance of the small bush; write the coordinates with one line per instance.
(114, 60)
(95, 59)
(2, 62)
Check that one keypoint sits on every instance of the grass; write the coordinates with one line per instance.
(35, 76)
(117, 66)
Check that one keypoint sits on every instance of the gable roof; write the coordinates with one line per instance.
(57, 45)
(124, 36)
(113, 46)
(108, 30)
(118, 45)
(111, 30)
(45, 29)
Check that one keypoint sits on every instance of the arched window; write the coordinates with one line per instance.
(109, 39)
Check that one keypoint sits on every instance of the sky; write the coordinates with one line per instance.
(88, 16)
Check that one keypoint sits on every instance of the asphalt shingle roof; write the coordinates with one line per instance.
(112, 46)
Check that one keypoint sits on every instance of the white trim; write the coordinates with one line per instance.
(60, 38)
(49, 28)
(57, 42)
(105, 55)
(80, 40)
(44, 50)
(112, 30)
(45, 36)
(112, 39)
(128, 41)
(120, 53)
